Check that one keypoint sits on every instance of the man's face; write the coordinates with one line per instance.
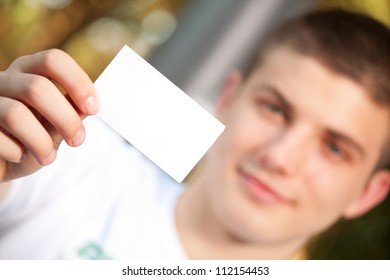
(299, 146)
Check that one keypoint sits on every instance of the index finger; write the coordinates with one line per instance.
(57, 65)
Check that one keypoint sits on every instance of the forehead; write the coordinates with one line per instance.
(322, 97)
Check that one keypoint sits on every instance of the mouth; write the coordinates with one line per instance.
(260, 191)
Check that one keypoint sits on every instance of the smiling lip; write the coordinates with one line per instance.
(261, 191)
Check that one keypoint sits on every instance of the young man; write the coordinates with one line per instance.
(306, 143)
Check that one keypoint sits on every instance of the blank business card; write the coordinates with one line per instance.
(154, 115)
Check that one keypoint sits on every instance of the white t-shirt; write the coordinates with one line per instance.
(100, 200)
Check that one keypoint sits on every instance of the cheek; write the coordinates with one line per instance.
(239, 141)
(330, 189)
(245, 133)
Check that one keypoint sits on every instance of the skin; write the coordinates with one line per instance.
(297, 154)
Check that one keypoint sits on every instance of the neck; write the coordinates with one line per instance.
(204, 236)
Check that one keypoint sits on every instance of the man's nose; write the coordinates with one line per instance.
(287, 152)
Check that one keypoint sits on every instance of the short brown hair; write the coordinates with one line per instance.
(351, 44)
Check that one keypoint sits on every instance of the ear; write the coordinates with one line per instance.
(228, 91)
(375, 192)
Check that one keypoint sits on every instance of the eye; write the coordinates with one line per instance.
(272, 111)
(274, 108)
(336, 150)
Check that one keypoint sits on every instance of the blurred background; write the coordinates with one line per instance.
(195, 43)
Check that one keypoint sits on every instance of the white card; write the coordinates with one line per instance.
(154, 115)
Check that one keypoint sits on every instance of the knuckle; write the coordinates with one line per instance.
(36, 86)
(16, 63)
(50, 56)
(12, 113)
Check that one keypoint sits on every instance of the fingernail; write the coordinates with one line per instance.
(78, 138)
(24, 155)
(91, 105)
(50, 158)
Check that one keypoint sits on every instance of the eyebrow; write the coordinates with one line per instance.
(278, 95)
(332, 133)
